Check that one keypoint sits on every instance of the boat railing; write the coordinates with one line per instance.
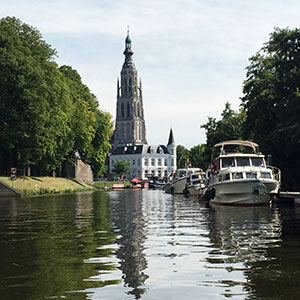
(276, 173)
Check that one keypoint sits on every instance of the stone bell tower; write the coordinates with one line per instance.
(130, 126)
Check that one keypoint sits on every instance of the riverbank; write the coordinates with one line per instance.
(107, 185)
(30, 186)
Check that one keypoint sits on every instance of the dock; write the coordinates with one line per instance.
(289, 197)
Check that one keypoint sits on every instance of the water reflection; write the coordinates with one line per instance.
(128, 219)
(148, 245)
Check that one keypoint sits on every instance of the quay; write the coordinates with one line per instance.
(7, 191)
(289, 197)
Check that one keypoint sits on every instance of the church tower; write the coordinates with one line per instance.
(130, 126)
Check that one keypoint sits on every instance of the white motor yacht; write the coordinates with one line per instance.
(238, 174)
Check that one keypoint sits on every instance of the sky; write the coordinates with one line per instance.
(191, 55)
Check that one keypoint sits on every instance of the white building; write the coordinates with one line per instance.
(147, 160)
(129, 138)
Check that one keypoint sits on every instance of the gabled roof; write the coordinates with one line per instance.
(140, 149)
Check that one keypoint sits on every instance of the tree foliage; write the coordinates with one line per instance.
(195, 156)
(121, 167)
(182, 154)
(272, 101)
(46, 113)
(230, 127)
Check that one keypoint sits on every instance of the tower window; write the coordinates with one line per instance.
(122, 110)
(128, 109)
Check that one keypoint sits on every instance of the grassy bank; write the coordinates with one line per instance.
(29, 186)
(103, 185)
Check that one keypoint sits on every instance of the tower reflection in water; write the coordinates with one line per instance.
(127, 216)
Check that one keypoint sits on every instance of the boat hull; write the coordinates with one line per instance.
(243, 192)
(179, 185)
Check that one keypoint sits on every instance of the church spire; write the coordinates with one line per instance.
(130, 128)
(171, 138)
(128, 51)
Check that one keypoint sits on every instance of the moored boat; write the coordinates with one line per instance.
(156, 183)
(238, 174)
(185, 181)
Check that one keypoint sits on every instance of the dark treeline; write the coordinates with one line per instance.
(270, 108)
(47, 115)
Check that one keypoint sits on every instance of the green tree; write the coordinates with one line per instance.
(34, 103)
(100, 142)
(84, 110)
(91, 127)
(182, 154)
(230, 127)
(121, 167)
(272, 101)
(197, 156)
(47, 114)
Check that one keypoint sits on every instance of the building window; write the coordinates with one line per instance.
(152, 162)
(133, 161)
(146, 162)
(166, 162)
(172, 162)
(159, 162)
(139, 162)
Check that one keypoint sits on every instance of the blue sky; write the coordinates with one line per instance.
(190, 54)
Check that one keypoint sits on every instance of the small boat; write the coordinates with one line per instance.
(186, 181)
(156, 183)
(238, 174)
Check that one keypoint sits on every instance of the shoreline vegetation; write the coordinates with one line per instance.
(36, 186)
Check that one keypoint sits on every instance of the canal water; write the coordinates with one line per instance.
(146, 244)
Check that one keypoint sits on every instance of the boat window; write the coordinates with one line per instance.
(257, 162)
(195, 176)
(196, 181)
(227, 176)
(251, 175)
(266, 175)
(219, 178)
(237, 175)
(242, 161)
(227, 162)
